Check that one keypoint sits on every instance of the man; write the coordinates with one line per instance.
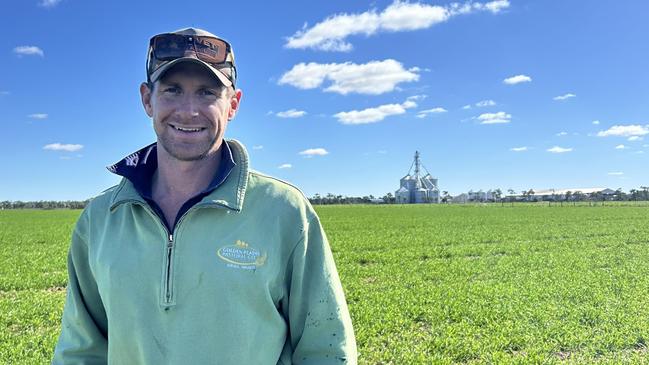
(194, 258)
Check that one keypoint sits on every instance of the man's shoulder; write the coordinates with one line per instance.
(273, 189)
(104, 200)
(259, 180)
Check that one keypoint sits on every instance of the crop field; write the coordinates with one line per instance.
(426, 284)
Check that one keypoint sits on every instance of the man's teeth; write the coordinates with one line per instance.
(187, 129)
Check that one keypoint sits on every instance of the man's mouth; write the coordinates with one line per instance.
(187, 129)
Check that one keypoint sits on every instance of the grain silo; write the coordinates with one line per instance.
(415, 188)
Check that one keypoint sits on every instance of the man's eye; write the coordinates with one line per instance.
(206, 92)
(172, 90)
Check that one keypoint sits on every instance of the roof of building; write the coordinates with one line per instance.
(564, 191)
(542, 192)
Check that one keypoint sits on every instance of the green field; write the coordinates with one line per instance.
(425, 284)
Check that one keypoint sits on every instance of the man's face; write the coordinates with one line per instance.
(190, 109)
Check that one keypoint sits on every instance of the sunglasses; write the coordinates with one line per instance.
(167, 47)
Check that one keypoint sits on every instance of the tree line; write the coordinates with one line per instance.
(43, 204)
(640, 194)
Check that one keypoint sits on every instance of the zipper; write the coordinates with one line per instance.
(167, 285)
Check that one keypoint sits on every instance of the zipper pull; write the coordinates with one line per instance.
(171, 240)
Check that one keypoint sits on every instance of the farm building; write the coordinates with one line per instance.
(416, 188)
(565, 194)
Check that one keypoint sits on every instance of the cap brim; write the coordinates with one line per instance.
(155, 76)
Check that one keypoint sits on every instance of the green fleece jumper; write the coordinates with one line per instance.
(246, 277)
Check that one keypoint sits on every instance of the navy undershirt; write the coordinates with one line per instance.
(141, 175)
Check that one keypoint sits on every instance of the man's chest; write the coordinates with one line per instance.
(210, 254)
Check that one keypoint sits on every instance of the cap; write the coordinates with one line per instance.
(225, 72)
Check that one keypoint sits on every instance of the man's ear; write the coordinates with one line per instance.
(235, 101)
(145, 94)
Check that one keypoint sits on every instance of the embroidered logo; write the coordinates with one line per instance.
(241, 256)
(132, 160)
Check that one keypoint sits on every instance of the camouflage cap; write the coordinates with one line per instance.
(225, 71)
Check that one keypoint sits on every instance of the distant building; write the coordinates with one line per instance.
(462, 198)
(417, 189)
(565, 194)
(481, 196)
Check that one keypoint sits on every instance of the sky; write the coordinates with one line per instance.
(338, 95)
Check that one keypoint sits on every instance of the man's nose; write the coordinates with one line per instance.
(188, 107)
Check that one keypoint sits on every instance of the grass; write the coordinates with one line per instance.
(425, 284)
(33, 254)
(492, 284)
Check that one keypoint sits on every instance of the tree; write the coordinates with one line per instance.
(530, 194)
(498, 194)
(568, 195)
(645, 192)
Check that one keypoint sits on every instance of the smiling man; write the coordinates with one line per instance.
(194, 258)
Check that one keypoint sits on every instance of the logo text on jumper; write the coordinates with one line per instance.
(241, 255)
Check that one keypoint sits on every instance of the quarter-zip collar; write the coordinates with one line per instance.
(228, 192)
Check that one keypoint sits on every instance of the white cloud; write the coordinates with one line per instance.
(557, 149)
(616, 173)
(495, 118)
(4, 92)
(28, 51)
(49, 3)
(518, 149)
(517, 79)
(373, 78)
(639, 152)
(314, 152)
(331, 33)
(466, 107)
(484, 103)
(496, 6)
(564, 97)
(285, 166)
(596, 122)
(624, 131)
(409, 104)
(635, 138)
(621, 147)
(291, 113)
(63, 147)
(437, 110)
(417, 97)
(38, 116)
(258, 147)
(561, 134)
(373, 115)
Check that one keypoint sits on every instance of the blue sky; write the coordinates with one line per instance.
(338, 95)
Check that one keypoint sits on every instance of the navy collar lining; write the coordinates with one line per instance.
(140, 173)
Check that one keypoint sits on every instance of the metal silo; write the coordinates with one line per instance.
(416, 188)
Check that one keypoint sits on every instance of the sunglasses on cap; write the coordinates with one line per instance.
(170, 46)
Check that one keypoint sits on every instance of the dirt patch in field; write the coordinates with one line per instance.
(564, 355)
(55, 289)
